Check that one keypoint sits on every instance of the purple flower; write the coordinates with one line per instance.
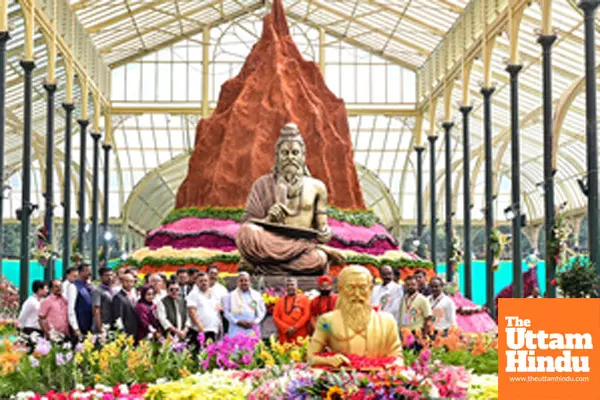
(201, 339)
(68, 356)
(60, 360)
(43, 347)
(79, 348)
(410, 340)
(246, 358)
(425, 356)
(34, 362)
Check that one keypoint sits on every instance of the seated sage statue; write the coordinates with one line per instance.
(288, 197)
(354, 327)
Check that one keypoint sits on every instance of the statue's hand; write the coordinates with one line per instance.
(338, 360)
(324, 235)
(277, 213)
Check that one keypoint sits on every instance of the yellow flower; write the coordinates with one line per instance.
(184, 372)
(98, 378)
(335, 392)
(295, 355)
(88, 345)
(78, 358)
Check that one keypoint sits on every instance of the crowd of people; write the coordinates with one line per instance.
(193, 301)
(418, 305)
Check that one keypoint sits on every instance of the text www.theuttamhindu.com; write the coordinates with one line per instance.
(549, 379)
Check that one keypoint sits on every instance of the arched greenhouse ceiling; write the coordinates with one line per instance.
(378, 49)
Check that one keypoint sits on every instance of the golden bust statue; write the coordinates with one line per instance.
(287, 197)
(354, 327)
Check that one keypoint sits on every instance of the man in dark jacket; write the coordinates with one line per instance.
(123, 307)
(172, 313)
(79, 298)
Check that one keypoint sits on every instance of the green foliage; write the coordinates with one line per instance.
(353, 217)
(394, 263)
(486, 363)
(579, 279)
(233, 213)
(234, 258)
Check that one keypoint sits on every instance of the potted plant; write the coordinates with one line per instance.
(578, 280)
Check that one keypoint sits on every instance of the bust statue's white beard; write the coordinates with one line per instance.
(355, 315)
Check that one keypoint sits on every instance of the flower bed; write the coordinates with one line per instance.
(230, 366)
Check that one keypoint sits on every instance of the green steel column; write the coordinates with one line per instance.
(4, 36)
(514, 70)
(589, 9)
(49, 195)
(432, 196)
(449, 235)
(69, 107)
(420, 226)
(546, 41)
(105, 221)
(489, 197)
(26, 206)
(83, 124)
(96, 138)
(465, 110)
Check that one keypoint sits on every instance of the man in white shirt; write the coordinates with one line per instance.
(219, 291)
(203, 312)
(244, 307)
(171, 312)
(70, 276)
(29, 322)
(388, 295)
(443, 308)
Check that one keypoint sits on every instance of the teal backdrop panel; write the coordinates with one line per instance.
(503, 277)
(11, 269)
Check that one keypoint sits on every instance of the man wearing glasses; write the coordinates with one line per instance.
(171, 311)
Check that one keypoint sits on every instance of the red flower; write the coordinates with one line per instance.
(553, 283)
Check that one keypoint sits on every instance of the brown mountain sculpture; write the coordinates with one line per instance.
(236, 144)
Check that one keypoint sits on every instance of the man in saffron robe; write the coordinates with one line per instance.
(291, 314)
(323, 303)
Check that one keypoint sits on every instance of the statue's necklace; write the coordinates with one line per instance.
(285, 309)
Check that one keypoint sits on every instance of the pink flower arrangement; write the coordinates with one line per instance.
(232, 352)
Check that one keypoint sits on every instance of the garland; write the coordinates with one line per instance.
(498, 242)
(235, 258)
(558, 246)
(44, 251)
(354, 217)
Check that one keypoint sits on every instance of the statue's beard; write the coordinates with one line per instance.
(291, 171)
(356, 315)
(290, 174)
